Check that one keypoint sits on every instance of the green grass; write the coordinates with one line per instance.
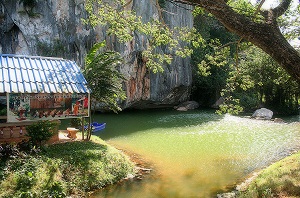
(282, 179)
(60, 170)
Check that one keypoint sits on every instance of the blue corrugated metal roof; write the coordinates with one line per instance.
(35, 74)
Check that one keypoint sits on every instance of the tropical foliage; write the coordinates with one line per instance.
(211, 63)
(234, 70)
(267, 83)
(104, 80)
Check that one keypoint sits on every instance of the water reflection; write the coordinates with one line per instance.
(194, 154)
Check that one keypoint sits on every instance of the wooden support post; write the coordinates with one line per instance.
(82, 127)
(90, 127)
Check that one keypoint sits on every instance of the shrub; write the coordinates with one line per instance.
(40, 132)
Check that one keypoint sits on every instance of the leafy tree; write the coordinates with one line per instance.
(248, 21)
(257, 26)
(241, 92)
(272, 86)
(258, 81)
(211, 62)
(40, 132)
(104, 80)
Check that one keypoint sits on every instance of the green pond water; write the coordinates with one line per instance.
(195, 153)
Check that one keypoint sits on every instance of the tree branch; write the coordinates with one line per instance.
(266, 36)
(281, 8)
(126, 4)
(272, 14)
(159, 10)
(259, 6)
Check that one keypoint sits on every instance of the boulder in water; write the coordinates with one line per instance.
(181, 109)
(188, 105)
(263, 113)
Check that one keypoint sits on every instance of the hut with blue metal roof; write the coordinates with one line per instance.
(39, 88)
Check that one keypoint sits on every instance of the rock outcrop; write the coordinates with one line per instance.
(188, 105)
(55, 27)
(263, 113)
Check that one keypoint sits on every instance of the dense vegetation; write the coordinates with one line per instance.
(246, 77)
(61, 170)
(209, 77)
(40, 132)
(261, 27)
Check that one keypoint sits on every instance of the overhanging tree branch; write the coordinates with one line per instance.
(264, 35)
(281, 8)
(259, 6)
(272, 14)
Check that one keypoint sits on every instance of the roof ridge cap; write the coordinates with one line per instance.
(36, 57)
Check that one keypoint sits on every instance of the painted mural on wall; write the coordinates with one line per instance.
(45, 106)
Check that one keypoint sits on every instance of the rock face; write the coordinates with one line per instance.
(263, 113)
(50, 27)
(54, 27)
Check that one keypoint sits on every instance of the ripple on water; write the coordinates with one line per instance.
(203, 152)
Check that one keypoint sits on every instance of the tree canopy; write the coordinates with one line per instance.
(262, 29)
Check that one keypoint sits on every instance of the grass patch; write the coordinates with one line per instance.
(282, 179)
(60, 170)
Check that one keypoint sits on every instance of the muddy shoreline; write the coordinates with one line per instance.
(144, 168)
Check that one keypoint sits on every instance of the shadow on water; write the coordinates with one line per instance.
(128, 122)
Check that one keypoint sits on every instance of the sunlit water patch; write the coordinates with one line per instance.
(198, 153)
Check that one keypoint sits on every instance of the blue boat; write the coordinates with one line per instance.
(96, 126)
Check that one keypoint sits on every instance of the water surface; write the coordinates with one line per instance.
(195, 153)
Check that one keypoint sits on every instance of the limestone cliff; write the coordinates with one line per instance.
(54, 28)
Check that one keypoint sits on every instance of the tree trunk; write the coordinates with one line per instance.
(265, 35)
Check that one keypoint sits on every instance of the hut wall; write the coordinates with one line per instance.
(16, 132)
